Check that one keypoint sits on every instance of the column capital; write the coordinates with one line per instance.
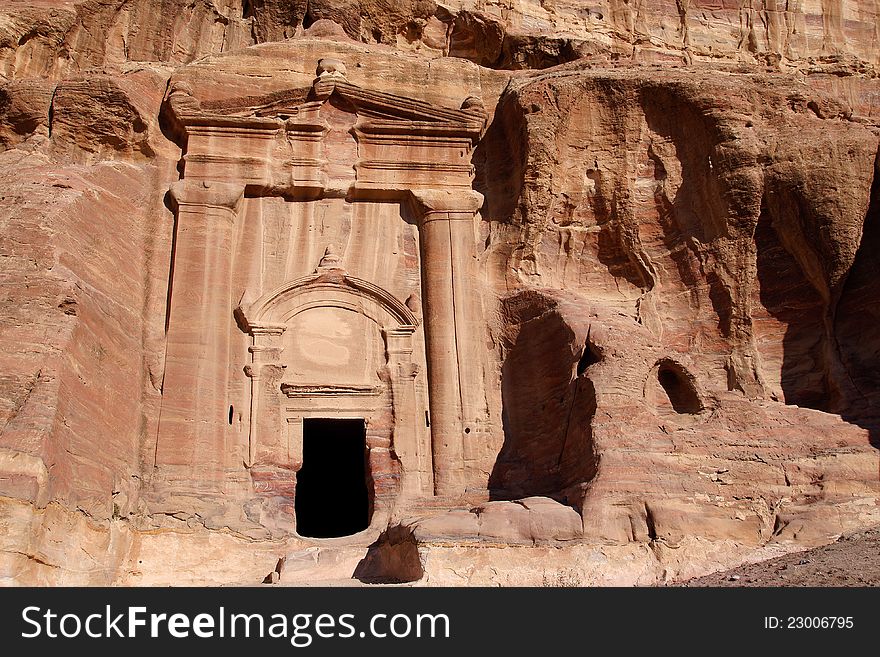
(206, 193)
(458, 201)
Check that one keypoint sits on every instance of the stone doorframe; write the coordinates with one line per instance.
(331, 287)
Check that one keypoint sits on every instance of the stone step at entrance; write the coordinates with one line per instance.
(319, 565)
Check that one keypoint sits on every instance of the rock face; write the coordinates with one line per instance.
(552, 294)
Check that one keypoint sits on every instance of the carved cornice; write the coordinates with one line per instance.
(247, 125)
(429, 167)
(266, 328)
(321, 390)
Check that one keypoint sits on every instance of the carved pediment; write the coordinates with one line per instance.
(291, 143)
(329, 286)
(376, 109)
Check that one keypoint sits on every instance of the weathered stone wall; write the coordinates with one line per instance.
(84, 278)
(677, 269)
(61, 37)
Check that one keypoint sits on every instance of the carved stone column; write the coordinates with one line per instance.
(451, 312)
(403, 374)
(194, 416)
(265, 359)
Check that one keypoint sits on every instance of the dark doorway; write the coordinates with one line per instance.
(331, 487)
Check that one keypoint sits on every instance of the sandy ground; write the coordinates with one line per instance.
(854, 560)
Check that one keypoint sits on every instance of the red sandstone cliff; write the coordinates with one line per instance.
(676, 251)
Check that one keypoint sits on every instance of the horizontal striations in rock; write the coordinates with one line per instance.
(441, 293)
(65, 36)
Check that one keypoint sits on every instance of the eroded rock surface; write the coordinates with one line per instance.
(599, 283)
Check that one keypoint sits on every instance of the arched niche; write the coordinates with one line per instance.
(330, 346)
(334, 288)
(329, 329)
(672, 390)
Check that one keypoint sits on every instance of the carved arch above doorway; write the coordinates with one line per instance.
(276, 393)
(333, 287)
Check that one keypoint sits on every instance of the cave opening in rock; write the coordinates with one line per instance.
(680, 391)
(591, 356)
(331, 489)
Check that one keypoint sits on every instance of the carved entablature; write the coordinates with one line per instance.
(402, 143)
(292, 390)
